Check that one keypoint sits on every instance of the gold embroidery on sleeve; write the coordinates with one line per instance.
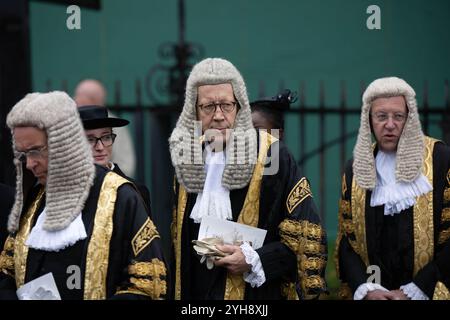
(441, 292)
(445, 217)
(154, 288)
(155, 268)
(447, 195)
(7, 257)
(144, 237)
(298, 193)
(444, 235)
(148, 279)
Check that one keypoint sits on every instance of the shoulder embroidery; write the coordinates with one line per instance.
(298, 193)
(144, 237)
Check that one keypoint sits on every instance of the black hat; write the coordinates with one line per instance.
(95, 117)
(281, 101)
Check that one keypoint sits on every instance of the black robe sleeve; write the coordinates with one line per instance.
(140, 271)
(299, 255)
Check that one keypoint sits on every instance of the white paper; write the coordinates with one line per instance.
(231, 232)
(42, 288)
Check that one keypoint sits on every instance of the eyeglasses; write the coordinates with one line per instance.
(382, 117)
(210, 108)
(107, 140)
(31, 154)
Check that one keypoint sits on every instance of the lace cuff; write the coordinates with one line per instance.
(365, 288)
(413, 292)
(256, 277)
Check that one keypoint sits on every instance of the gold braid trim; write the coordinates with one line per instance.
(20, 249)
(299, 192)
(345, 209)
(312, 263)
(249, 215)
(132, 291)
(182, 199)
(447, 195)
(295, 234)
(154, 288)
(348, 226)
(97, 257)
(445, 217)
(423, 215)
(7, 257)
(154, 269)
(444, 235)
(311, 247)
(314, 282)
(289, 291)
(144, 237)
(302, 228)
(358, 206)
(441, 292)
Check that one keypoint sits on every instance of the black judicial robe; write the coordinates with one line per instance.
(391, 241)
(294, 253)
(130, 266)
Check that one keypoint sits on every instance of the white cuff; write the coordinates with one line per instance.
(256, 277)
(413, 292)
(365, 288)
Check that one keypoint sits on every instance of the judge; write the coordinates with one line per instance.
(247, 177)
(74, 215)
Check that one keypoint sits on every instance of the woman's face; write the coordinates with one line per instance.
(262, 121)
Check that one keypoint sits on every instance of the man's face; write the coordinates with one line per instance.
(218, 119)
(102, 154)
(33, 142)
(388, 117)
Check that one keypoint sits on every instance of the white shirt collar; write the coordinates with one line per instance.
(395, 196)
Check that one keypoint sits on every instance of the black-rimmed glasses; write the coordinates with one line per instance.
(107, 140)
(32, 154)
(225, 107)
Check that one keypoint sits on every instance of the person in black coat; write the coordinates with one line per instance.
(99, 132)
